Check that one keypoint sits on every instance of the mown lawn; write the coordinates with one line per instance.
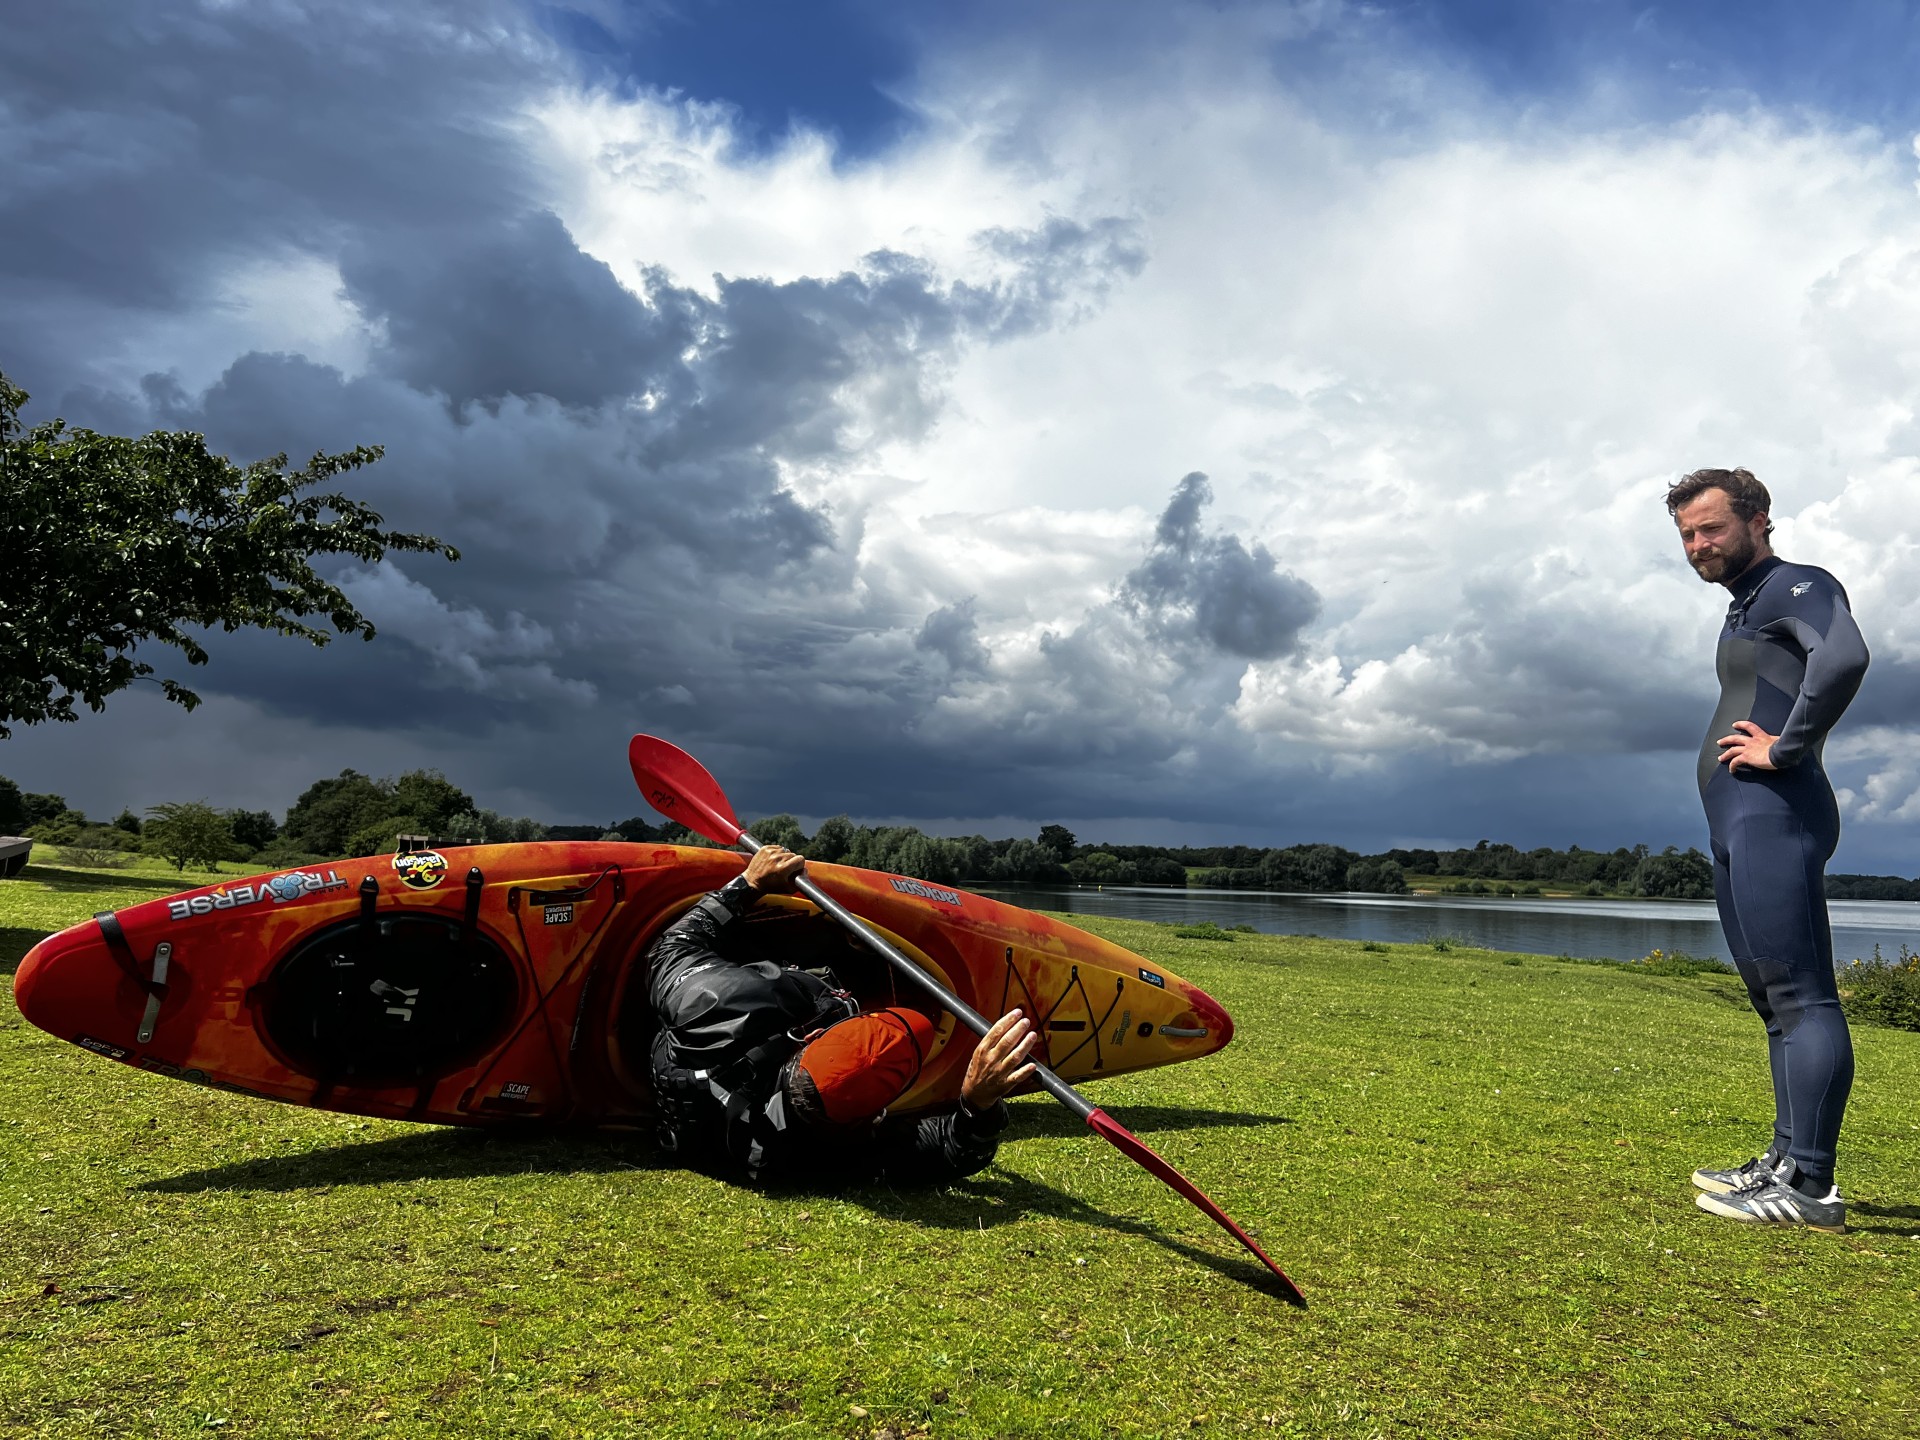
(1475, 1164)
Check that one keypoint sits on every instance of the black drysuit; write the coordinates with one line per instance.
(1790, 660)
(726, 1032)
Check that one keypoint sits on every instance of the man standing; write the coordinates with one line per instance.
(1790, 660)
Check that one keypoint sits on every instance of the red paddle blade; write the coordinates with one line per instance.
(1136, 1149)
(679, 787)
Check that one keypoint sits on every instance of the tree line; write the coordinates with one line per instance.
(352, 814)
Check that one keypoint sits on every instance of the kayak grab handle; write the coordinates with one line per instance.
(155, 981)
(156, 990)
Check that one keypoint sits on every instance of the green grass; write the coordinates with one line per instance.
(1476, 1170)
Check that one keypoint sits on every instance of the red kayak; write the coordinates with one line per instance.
(507, 983)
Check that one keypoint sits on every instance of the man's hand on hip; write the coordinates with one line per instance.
(1752, 747)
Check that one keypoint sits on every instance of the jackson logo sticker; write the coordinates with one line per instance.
(421, 870)
(1153, 979)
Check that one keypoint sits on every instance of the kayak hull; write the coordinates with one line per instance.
(494, 985)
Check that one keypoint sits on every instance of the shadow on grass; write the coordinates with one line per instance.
(55, 878)
(1009, 1198)
(425, 1155)
(1857, 1208)
(15, 941)
(995, 1199)
(1055, 1120)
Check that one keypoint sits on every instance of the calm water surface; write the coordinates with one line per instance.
(1604, 929)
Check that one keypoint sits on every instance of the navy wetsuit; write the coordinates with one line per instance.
(1790, 660)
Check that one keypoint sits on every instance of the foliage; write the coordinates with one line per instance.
(1059, 840)
(1872, 887)
(47, 809)
(187, 833)
(13, 808)
(781, 830)
(1205, 931)
(352, 814)
(831, 841)
(638, 830)
(1026, 861)
(1677, 962)
(252, 829)
(94, 857)
(1883, 991)
(1429, 1147)
(113, 543)
(1102, 867)
(1377, 877)
(1672, 875)
(129, 822)
(491, 828)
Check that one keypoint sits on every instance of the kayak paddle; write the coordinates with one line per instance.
(679, 787)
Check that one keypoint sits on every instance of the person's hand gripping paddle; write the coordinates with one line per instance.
(680, 788)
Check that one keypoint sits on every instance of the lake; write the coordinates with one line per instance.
(1594, 929)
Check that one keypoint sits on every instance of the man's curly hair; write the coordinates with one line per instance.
(1745, 493)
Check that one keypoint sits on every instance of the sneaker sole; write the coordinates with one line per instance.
(1702, 1181)
(1709, 1204)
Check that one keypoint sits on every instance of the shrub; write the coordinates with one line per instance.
(1374, 946)
(94, 857)
(191, 833)
(1676, 962)
(283, 856)
(1883, 991)
(1205, 931)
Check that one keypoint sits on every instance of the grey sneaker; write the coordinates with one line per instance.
(1777, 1202)
(1758, 1171)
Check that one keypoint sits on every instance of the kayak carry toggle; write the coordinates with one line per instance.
(156, 990)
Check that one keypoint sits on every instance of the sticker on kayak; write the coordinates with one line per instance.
(561, 914)
(926, 891)
(280, 889)
(421, 869)
(101, 1047)
(1153, 979)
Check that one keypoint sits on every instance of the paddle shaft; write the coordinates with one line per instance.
(968, 1016)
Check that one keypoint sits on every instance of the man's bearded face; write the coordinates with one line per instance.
(1719, 544)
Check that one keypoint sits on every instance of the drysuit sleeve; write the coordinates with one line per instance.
(940, 1149)
(1819, 621)
(692, 942)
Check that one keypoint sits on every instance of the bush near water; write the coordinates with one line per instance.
(1883, 991)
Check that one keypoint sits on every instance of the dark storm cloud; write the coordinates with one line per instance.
(953, 633)
(152, 147)
(515, 309)
(1237, 599)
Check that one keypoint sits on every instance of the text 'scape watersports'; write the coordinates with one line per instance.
(506, 983)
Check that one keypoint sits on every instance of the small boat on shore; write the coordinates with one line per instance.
(14, 850)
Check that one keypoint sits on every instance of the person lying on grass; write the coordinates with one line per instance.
(777, 1072)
